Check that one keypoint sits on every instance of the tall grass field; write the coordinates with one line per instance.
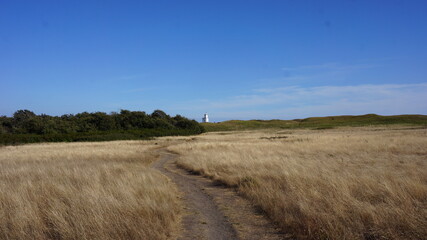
(345, 183)
(339, 183)
(85, 191)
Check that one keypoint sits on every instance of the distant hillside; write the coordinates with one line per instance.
(317, 122)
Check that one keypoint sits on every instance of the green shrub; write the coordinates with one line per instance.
(27, 127)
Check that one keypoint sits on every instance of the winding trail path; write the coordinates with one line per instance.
(214, 212)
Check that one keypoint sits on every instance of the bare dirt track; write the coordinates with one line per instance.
(213, 211)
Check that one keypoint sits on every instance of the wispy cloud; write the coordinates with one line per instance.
(296, 101)
(310, 67)
(135, 90)
(330, 66)
(132, 77)
(325, 72)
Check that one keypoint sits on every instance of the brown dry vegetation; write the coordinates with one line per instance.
(360, 183)
(84, 191)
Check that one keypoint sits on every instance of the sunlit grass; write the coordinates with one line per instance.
(360, 183)
(85, 191)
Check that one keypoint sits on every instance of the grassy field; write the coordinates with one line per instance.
(318, 122)
(339, 183)
(344, 183)
(85, 191)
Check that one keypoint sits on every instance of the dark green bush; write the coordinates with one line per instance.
(27, 127)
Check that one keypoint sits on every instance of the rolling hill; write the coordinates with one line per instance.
(317, 122)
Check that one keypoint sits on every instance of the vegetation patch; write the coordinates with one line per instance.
(318, 123)
(353, 183)
(274, 138)
(27, 127)
(102, 190)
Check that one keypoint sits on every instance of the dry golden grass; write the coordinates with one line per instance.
(84, 191)
(360, 183)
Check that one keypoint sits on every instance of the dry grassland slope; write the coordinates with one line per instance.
(84, 191)
(359, 183)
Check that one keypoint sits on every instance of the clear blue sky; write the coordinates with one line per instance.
(233, 59)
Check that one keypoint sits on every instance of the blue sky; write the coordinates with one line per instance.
(233, 59)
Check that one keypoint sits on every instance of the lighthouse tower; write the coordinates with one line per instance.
(205, 118)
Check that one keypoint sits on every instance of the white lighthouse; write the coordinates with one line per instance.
(205, 118)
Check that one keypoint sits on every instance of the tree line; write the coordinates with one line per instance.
(26, 126)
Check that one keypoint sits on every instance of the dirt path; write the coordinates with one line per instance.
(212, 211)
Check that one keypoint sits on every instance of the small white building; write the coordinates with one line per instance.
(205, 118)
